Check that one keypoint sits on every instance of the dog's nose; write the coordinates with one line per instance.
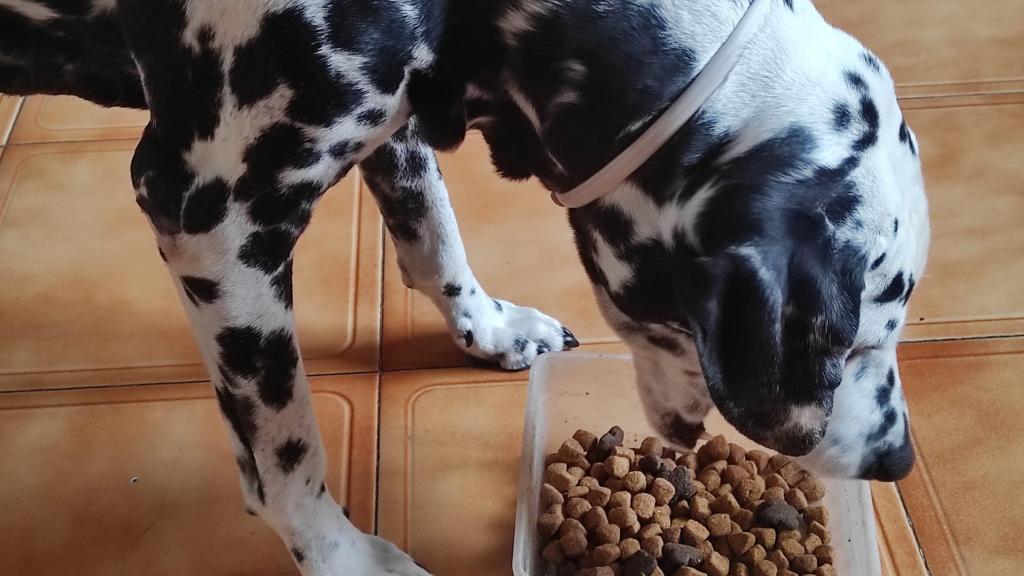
(891, 465)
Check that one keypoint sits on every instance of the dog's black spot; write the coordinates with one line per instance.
(267, 250)
(856, 81)
(451, 290)
(380, 32)
(278, 362)
(340, 150)
(878, 261)
(664, 342)
(896, 226)
(323, 489)
(905, 137)
(788, 3)
(893, 291)
(467, 336)
(842, 117)
(226, 378)
(892, 324)
(872, 61)
(862, 369)
(291, 453)
(911, 283)
(498, 306)
(205, 207)
(403, 206)
(681, 431)
(292, 205)
(870, 118)
(200, 289)
(282, 284)
(520, 344)
(373, 117)
(278, 147)
(239, 350)
(240, 412)
(299, 556)
(888, 421)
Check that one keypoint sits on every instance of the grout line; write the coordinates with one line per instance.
(913, 530)
(380, 379)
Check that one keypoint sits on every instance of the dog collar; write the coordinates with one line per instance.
(689, 102)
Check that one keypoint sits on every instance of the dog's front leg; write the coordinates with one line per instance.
(404, 177)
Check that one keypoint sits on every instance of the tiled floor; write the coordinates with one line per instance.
(113, 460)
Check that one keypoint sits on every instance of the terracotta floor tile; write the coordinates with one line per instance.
(521, 249)
(973, 278)
(936, 47)
(8, 112)
(88, 300)
(70, 505)
(67, 118)
(448, 438)
(896, 541)
(965, 405)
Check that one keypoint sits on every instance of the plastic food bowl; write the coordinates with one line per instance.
(596, 391)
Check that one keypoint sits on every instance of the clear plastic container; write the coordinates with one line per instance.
(569, 391)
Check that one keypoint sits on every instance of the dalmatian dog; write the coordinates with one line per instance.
(760, 261)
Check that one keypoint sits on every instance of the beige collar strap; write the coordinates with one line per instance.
(679, 113)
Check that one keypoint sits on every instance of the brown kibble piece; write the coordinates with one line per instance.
(662, 516)
(813, 488)
(722, 491)
(774, 494)
(718, 466)
(754, 555)
(596, 571)
(715, 449)
(571, 451)
(550, 496)
(733, 474)
(719, 524)
(599, 496)
(789, 535)
(744, 517)
(821, 532)
(605, 554)
(608, 534)
(759, 458)
(643, 505)
(824, 554)
(620, 499)
(573, 538)
(791, 548)
(594, 519)
(779, 559)
(627, 453)
(764, 536)
(737, 454)
(688, 460)
(716, 565)
(811, 543)
(787, 573)
(598, 472)
(687, 571)
(589, 482)
(586, 439)
(826, 570)
(549, 522)
(795, 497)
(741, 542)
(652, 545)
(747, 491)
(616, 466)
(725, 504)
(792, 473)
(628, 547)
(765, 568)
(649, 530)
(634, 481)
(694, 533)
(651, 445)
(558, 476)
(817, 514)
(778, 461)
(553, 552)
(804, 564)
(663, 491)
(739, 569)
(576, 508)
(773, 480)
(699, 508)
(672, 535)
(710, 479)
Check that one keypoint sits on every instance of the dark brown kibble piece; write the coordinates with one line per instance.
(549, 522)
(652, 545)
(741, 542)
(629, 547)
(824, 554)
(605, 554)
(734, 474)
(745, 518)
(699, 508)
(725, 504)
(759, 458)
(826, 570)
(608, 534)
(599, 496)
(779, 559)
(716, 565)
(651, 464)
(804, 564)
(651, 445)
(754, 555)
(573, 537)
(576, 508)
(796, 499)
(586, 439)
(550, 496)
(639, 563)
(676, 556)
(682, 479)
(765, 568)
(594, 519)
(739, 569)
(710, 479)
(553, 552)
(694, 533)
(715, 449)
(764, 536)
(777, 514)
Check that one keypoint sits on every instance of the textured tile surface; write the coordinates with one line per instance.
(85, 291)
(965, 404)
(896, 539)
(66, 118)
(973, 175)
(450, 442)
(70, 505)
(939, 46)
(521, 249)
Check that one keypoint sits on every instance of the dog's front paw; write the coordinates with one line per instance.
(356, 554)
(509, 335)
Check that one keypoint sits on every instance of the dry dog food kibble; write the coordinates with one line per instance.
(607, 509)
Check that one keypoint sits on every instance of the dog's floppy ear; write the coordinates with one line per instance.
(774, 327)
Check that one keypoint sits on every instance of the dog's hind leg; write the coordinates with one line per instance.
(404, 177)
(237, 152)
